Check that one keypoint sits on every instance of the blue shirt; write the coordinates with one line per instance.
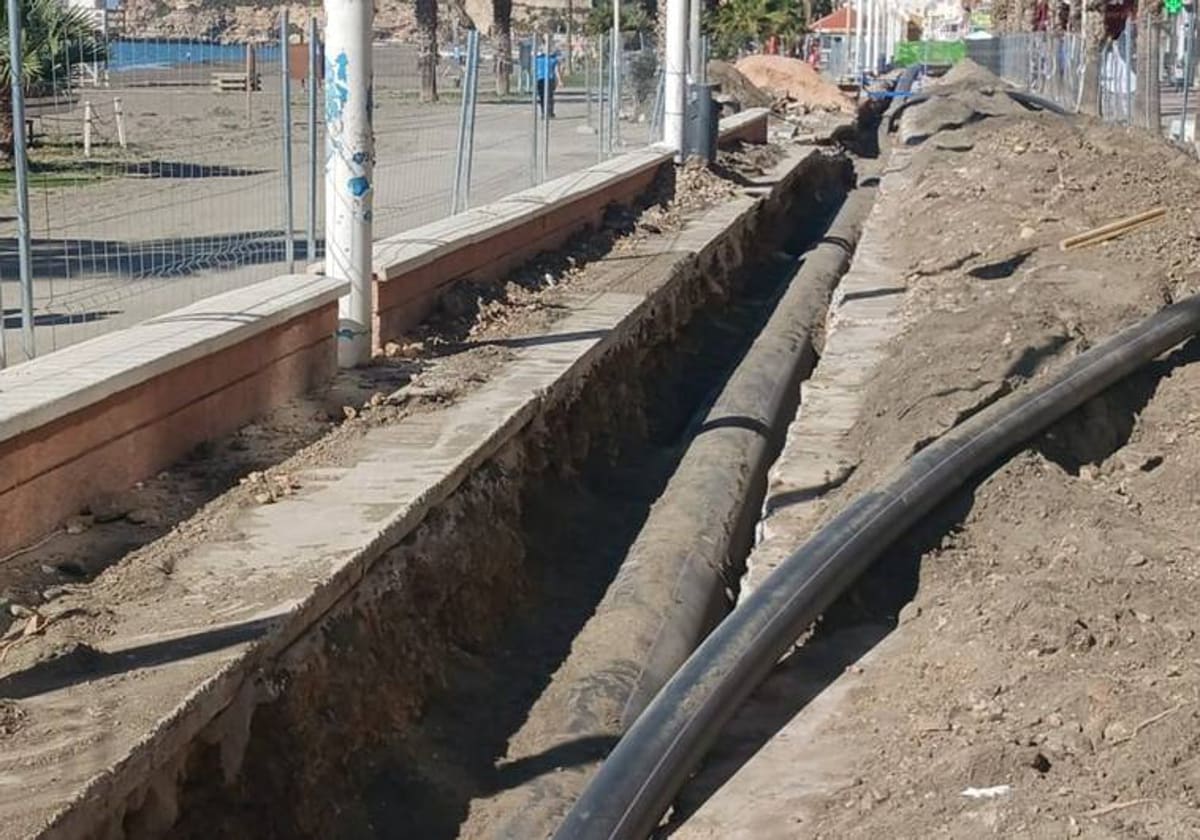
(545, 69)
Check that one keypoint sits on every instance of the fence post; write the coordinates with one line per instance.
(251, 77)
(285, 66)
(310, 231)
(695, 44)
(21, 168)
(104, 39)
(547, 106)
(119, 116)
(600, 101)
(465, 148)
(535, 159)
(348, 170)
(460, 145)
(1189, 46)
(673, 118)
(473, 65)
(614, 99)
(88, 116)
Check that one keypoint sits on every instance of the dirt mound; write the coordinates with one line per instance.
(736, 87)
(969, 74)
(795, 80)
(1049, 653)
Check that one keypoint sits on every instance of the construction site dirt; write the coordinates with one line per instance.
(1024, 664)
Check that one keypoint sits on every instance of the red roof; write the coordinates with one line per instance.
(841, 20)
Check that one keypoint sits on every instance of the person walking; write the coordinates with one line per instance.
(549, 76)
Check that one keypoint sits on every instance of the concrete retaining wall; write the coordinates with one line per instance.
(96, 417)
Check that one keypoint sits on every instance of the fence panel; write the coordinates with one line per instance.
(156, 180)
(1053, 65)
(157, 173)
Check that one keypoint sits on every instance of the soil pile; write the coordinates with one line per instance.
(796, 81)
(735, 87)
(1044, 680)
(967, 72)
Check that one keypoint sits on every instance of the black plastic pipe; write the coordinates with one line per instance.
(640, 778)
(671, 589)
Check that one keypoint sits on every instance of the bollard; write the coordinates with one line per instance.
(700, 134)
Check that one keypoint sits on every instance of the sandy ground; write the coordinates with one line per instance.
(1039, 633)
(197, 206)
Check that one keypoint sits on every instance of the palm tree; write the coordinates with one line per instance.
(635, 17)
(738, 22)
(55, 38)
(427, 56)
(502, 23)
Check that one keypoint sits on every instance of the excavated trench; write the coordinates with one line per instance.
(392, 717)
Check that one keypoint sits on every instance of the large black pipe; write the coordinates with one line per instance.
(638, 781)
(671, 588)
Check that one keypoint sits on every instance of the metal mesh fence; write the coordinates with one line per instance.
(157, 178)
(1145, 78)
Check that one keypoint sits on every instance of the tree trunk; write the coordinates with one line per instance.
(1148, 103)
(1153, 84)
(1093, 53)
(427, 56)
(6, 126)
(502, 13)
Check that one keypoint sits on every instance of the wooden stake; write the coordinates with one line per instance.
(1111, 230)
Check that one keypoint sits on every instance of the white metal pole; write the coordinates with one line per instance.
(21, 170)
(87, 129)
(696, 41)
(310, 225)
(617, 53)
(889, 30)
(874, 24)
(601, 102)
(859, 64)
(473, 92)
(677, 27)
(547, 106)
(456, 201)
(289, 196)
(535, 162)
(348, 170)
(119, 115)
(104, 38)
(892, 35)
